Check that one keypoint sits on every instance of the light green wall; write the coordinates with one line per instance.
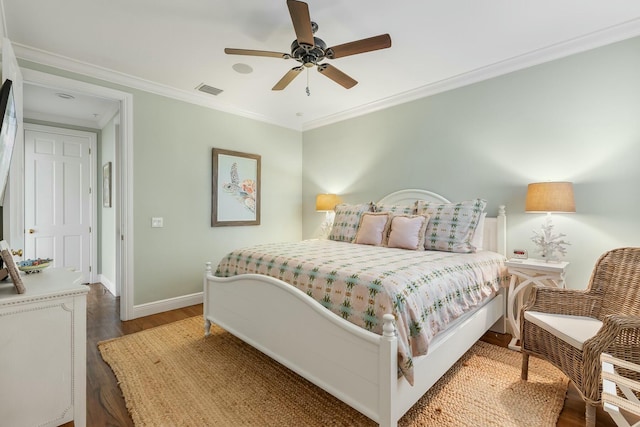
(172, 142)
(172, 180)
(575, 119)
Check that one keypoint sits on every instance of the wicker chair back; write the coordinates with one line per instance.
(617, 277)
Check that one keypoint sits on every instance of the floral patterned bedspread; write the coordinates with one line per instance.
(424, 290)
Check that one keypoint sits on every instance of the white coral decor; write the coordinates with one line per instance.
(549, 244)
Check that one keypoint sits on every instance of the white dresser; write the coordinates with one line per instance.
(43, 350)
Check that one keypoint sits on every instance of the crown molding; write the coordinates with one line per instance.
(566, 48)
(583, 43)
(64, 63)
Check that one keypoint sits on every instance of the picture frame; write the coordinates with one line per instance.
(106, 185)
(235, 188)
(10, 265)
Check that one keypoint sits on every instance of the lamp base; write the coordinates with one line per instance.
(327, 225)
(548, 244)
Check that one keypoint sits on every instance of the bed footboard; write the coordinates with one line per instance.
(298, 332)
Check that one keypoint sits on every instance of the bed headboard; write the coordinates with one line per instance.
(407, 197)
(495, 228)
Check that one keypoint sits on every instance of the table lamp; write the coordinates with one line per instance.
(550, 197)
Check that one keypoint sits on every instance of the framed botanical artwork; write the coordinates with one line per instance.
(11, 267)
(235, 189)
(106, 185)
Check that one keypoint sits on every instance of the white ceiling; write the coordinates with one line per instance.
(170, 47)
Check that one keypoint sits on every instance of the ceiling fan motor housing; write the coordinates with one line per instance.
(308, 55)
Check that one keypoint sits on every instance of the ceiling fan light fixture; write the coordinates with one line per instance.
(309, 50)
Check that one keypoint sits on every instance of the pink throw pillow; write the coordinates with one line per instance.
(407, 232)
(373, 229)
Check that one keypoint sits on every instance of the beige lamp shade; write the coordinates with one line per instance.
(326, 202)
(550, 197)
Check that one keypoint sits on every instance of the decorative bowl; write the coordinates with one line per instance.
(34, 265)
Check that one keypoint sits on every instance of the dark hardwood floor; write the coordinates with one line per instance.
(106, 407)
(105, 404)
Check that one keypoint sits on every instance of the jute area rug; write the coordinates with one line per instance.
(173, 376)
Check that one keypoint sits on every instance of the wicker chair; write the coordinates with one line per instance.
(571, 328)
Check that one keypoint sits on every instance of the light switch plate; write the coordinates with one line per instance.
(157, 222)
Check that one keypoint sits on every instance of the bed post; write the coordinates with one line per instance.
(388, 383)
(207, 322)
(502, 231)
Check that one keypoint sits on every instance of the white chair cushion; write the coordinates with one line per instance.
(574, 330)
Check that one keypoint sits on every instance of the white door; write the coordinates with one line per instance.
(58, 197)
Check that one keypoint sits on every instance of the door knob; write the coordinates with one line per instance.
(31, 231)
(16, 252)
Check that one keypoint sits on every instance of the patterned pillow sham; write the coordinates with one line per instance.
(373, 228)
(408, 232)
(452, 225)
(478, 236)
(396, 209)
(346, 221)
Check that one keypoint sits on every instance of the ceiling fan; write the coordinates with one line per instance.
(310, 50)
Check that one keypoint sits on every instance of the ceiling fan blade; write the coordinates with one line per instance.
(382, 41)
(250, 52)
(284, 81)
(301, 20)
(337, 76)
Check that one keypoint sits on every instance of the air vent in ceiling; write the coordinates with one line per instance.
(209, 89)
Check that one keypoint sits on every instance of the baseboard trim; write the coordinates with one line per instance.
(111, 287)
(161, 306)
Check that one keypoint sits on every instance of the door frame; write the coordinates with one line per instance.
(123, 175)
(93, 180)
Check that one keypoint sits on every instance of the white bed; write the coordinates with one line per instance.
(367, 380)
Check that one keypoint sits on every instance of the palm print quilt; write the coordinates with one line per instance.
(424, 290)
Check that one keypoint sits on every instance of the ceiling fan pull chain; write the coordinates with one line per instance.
(308, 91)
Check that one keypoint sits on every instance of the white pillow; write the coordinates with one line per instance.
(372, 229)
(407, 232)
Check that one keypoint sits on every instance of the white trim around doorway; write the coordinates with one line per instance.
(124, 221)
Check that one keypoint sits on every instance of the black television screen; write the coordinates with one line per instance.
(7, 133)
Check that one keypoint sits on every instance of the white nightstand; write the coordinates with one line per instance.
(524, 274)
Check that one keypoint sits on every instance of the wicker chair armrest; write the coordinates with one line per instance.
(561, 301)
(619, 337)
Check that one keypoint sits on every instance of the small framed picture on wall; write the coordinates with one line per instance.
(235, 189)
(106, 185)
